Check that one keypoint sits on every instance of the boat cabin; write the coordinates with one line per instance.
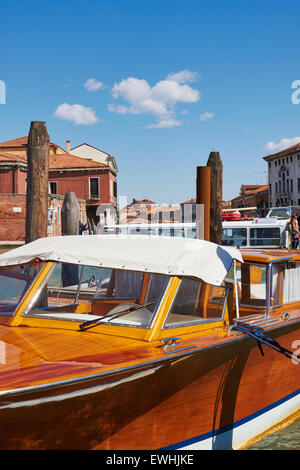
(141, 288)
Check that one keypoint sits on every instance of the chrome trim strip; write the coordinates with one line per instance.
(181, 349)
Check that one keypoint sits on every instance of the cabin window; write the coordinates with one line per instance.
(234, 236)
(196, 301)
(276, 285)
(191, 233)
(166, 232)
(265, 236)
(251, 284)
(291, 283)
(141, 231)
(14, 283)
(179, 232)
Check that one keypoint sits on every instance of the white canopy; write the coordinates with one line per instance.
(164, 255)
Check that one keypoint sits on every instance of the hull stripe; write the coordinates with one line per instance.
(212, 434)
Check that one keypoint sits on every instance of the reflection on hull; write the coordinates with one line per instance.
(216, 398)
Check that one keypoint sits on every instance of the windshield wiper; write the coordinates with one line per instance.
(111, 316)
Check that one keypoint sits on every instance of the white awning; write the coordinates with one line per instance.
(164, 255)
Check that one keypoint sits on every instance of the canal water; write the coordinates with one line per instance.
(285, 439)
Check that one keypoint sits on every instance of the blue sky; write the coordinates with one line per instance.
(174, 80)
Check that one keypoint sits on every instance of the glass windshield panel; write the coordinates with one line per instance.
(14, 282)
(234, 236)
(196, 301)
(281, 213)
(81, 293)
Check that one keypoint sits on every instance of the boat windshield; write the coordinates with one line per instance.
(196, 302)
(14, 282)
(84, 293)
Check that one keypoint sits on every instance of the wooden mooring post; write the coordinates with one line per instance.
(216, 196)
(37, 182)
(70, 215)
(209, 188)
(203, 201)
(70, 226)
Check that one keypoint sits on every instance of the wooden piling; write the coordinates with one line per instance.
(37, 182)
(70, 215)
(70, 226)
(215, 164)
(203, 198)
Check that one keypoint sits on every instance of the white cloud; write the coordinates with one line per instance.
(92, 84)
(165, 123)
(185, 76)
(159, 100)
(76, 113)
(206, 116)
(169, 91)
(282, 144)
(119, 109)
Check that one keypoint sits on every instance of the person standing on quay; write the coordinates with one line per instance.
(294, 232)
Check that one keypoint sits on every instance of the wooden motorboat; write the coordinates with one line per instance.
(142, 343)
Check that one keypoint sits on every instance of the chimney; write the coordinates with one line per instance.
(68, 143)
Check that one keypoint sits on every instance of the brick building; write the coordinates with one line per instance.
(252, 195)
(94, 182)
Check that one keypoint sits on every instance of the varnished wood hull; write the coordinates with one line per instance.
(217, 397)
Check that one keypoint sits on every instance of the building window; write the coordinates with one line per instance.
(292, 186)
(115, 189)
(276, 187)
(291, 159)
(275, 162)
(94, 188)
(288, 185)
(298, 185)
(270, 189)
(53, 187)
